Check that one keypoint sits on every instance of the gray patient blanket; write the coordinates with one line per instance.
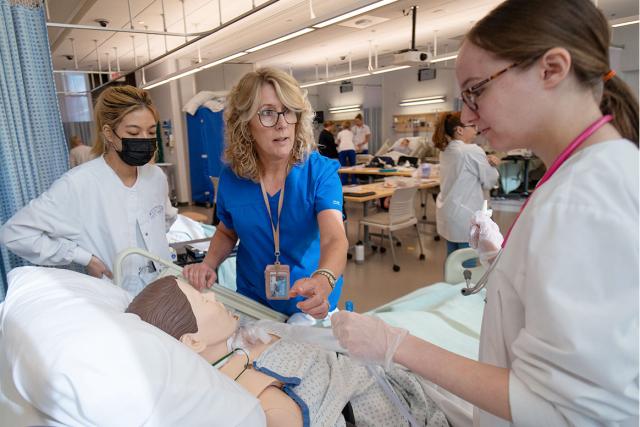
(323, 382)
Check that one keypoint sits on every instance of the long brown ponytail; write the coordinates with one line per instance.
(523, 30)
(445, 130)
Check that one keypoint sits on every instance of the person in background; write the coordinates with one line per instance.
(559, 339)
(278, 196)
(79, 152)
(111, 203)
(465, 172)
(346, 151)
(326, 142)
(361, 135)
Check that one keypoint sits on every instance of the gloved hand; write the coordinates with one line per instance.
(367, 338)
(247, 336)
(485, 237)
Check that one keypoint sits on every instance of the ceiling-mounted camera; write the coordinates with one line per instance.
(69, 57)
(103, 22)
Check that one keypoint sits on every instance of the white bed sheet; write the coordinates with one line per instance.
(442, 315)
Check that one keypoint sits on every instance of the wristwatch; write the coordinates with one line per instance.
(331, 278)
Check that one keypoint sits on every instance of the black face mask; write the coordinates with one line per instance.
(137, 151)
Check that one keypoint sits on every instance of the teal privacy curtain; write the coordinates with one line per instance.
(33, 151)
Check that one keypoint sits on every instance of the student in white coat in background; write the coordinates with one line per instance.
(559, 341)
(106, 205)
(465, 173)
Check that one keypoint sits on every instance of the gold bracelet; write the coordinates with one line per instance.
(330, 277)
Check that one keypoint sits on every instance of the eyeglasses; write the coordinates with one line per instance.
(470, 95)
(269, 118)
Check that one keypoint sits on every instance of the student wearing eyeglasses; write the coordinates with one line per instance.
(559, 338)
(465, 174)
(282, 200)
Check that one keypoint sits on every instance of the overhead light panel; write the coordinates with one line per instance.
(354, 13)
(193, 70)
(624, 23)
(310, 84)
(389, 69)
(355, 76)
(345, 109)
(281, 39)
(442, 58)
(220, 61)
(423, 101)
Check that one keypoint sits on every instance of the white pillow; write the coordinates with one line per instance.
(80, 360)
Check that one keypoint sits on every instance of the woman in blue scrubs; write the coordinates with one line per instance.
(280, 197)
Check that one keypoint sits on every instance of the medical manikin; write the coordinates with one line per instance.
(297, 383)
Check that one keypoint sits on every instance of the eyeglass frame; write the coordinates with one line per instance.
(471, 103)
(278, 113)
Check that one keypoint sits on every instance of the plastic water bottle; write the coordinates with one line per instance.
(359, 253)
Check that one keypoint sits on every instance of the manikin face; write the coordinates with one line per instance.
(139, 123)
(215, 322)
(508, 106)
(272, 143)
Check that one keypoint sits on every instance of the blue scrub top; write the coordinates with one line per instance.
(310, 188)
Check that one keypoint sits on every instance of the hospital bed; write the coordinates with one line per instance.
(69, 355)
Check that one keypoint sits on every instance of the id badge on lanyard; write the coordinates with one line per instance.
(276, 275)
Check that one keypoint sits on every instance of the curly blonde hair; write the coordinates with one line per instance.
(242, 104)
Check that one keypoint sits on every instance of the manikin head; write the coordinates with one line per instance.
(194, 318)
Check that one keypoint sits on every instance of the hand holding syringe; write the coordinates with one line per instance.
(484, 235)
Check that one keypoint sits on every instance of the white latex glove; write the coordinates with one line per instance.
(485, 237)
(367, 338)
(248, 335)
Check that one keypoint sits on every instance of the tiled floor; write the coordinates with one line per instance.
(374, 282)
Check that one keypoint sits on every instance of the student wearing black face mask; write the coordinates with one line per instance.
(114, 202)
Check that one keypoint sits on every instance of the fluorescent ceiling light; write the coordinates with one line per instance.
(355, 76)
(220, 61)
(442, 58)
(622, 24)
(281, 39)
(422, 101)
(388, 69)
(350, 110)
(192, 71)
(313, 84)
(345, 108)
(354, 13)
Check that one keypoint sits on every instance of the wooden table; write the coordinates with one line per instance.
(380, 191)
(355, 170)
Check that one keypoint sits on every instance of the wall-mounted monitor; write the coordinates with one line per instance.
(426, 74)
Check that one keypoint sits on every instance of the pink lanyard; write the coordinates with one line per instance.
(566, 153)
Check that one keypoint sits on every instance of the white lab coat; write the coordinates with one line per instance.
(464, 174)
(89, 211)
(562, 302)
